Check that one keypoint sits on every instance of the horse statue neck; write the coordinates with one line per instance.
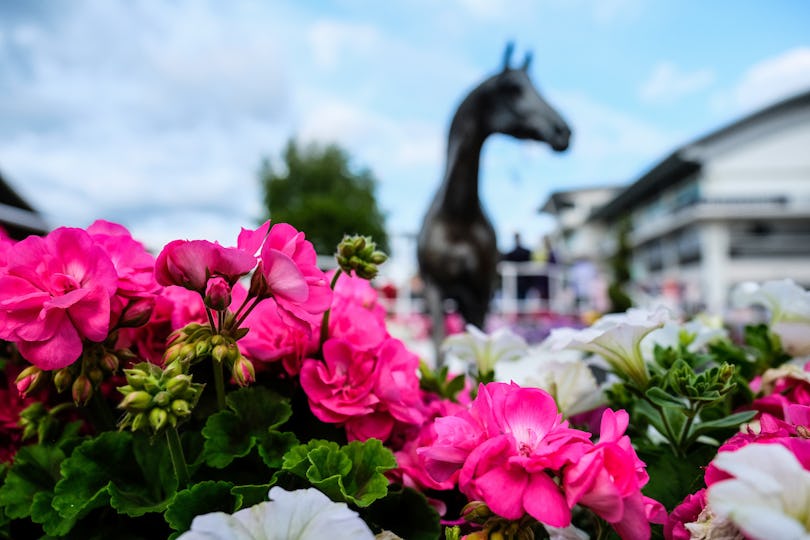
(458, 195)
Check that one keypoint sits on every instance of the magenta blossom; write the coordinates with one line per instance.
(135, 297)
(292, 277)
(190, 263)
(355, 315)
(608, 479)
(54, 292)
(685, 513)
(510, 447)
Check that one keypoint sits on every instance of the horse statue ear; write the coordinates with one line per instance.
(527, 61)
(507, 55)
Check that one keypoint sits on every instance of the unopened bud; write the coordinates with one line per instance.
(95, 375)
(136, 401)
(29, 380)
(141, 421)
(180, 408)
(62, 379)
(178, 384)
(243, 371)
(158, 418)
(258, 284)
(137, 313)
(82, 390)
(476, 511)
(173, 369)
(202, 349)
(109, 362)
(162, 399)
(220, 352)
(136, 377)
(378, 257)
(217, 294)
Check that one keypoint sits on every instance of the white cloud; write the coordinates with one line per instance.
(667, 83)
(331, 41)
(774, 79)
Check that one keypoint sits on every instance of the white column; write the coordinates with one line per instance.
(714, 247)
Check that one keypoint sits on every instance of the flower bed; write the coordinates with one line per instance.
(241, 392)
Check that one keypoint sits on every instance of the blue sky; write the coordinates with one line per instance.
(157, 114)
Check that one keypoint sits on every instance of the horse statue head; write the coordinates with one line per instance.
(457, 248)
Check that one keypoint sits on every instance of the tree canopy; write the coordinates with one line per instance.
(317, 191)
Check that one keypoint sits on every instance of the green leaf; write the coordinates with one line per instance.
(273, 448)
(405, 512)
(252, 494)
(351, 473)
(86, 473)
(732, 420)
(130, 472)
(35, 470)
(370, 459)
(201, 498)
(671, 478)
(663, 399)
(251, 414)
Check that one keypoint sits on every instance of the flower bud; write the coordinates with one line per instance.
(258, 284)
(29, 380)
(136, 401)
(243, 371)
(476, 511)
(202, 349)
(180, 408)
(62, 379)
(217, 294)
(162, 399)
(158, 418)
(109, 362)
(136, 377)
(95, 375)
(82, 390)
(140, 421)
(173, 369)
(220, 352)
(137, 313)
(359, 254)
(178, 384)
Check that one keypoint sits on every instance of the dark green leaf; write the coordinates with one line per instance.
(732, 420)
(367, 481)
(405, 512)
(252, 413)
(663, 399)
(273, 448)
(35, 470)
(201, 498)
(253, 494)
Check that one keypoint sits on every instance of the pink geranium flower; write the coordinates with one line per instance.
(510, 446)
(190, 263)
(341, 386)
(135, 297)
(608, 479)
(54, 292)
(356, 315)
(292, 277)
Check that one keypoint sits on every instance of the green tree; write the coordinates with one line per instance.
(317, 191)
(620, 266)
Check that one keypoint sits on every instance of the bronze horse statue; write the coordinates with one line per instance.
(457, 249)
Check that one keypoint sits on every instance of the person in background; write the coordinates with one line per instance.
(544, 254)
(520, 254)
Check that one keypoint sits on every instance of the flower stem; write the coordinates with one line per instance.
(178, 458)
(325, 320)
(219, 383)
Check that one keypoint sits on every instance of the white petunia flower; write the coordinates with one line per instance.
(789, 307)
(304, 514)
(570, 382)
(616, 337)
(482, 350)
(698, 333)
(769, 496)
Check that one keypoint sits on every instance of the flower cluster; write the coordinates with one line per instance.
(243, 392)
(513, 451)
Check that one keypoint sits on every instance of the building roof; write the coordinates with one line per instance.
(559, 200)
(17, 217)
(684, 161)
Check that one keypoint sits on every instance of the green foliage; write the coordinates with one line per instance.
(201, 498)
(620, 267)
(252, 414)
(405, 512)
(439, 383)
(317, 191)
(352, 473)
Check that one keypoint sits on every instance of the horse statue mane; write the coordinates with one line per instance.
(457, 249)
